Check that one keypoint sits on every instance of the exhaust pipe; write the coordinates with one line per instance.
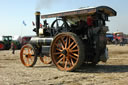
(37, 15)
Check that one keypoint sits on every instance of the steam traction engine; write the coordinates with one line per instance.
(74, 38)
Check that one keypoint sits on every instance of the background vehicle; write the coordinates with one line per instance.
(110, 38)
(74, 38)
(118, 36)
(5, 44)
(114, 38)
(25, 39)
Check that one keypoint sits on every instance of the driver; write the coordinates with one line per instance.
(89, 21)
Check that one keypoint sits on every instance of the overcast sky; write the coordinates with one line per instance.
(13, 12)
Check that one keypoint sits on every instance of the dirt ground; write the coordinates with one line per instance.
(114, 72)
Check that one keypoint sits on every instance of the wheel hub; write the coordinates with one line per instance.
(64, 52)
(26, 56)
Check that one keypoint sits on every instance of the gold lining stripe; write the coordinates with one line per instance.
(37, 13)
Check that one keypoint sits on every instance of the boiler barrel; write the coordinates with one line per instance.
(41, 41)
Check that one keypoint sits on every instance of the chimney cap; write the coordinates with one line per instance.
(37, 13)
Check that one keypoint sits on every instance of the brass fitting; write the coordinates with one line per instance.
(37, 13)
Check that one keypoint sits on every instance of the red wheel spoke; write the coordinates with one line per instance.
(69, 62)
(28, 50)
(31, 58)
(74, 50)
(60, 60)
(30, 53)
(62, 46)
(60, 56)
(25, 54)
(24, 51)
(62, 41)
(71, 45)
(74, 46)
(59, 49)
(73, 57)
(65, 64)
(72, 61)
(75, 54)
(28, 61)
(57, 53)
(64, 60)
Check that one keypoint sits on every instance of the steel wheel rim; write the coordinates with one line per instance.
(27, 56)
(65, 52)
(1, 46)
(46, 59)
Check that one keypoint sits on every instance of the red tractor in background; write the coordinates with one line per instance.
(117, 36)
(5, 43)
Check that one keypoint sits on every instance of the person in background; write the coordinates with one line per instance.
(116, 41)
(121, 41)
(13, 47)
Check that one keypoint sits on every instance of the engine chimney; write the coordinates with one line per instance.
(37, 15)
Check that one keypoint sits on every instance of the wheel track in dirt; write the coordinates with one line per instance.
(72, 81)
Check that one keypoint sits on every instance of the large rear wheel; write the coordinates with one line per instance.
(67, 51)
(28, 55)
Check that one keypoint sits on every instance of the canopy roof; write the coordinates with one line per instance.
(91, 10)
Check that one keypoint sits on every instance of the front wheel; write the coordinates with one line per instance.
(28, 55)
(67, 51)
